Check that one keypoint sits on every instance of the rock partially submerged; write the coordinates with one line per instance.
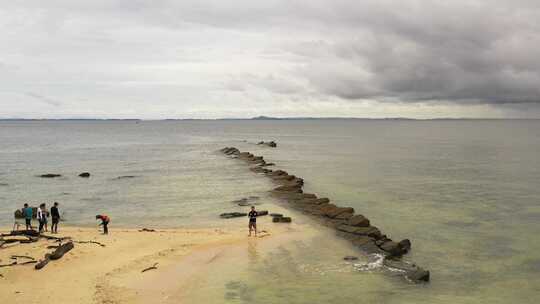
(84, 174)
(50, 175)
(281, 219)
(271, 144)
(126, 177)
(229, 215)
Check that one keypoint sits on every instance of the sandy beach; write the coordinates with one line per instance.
(91, 273)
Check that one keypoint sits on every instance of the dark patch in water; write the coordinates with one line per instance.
(4, 184)
(91, 199)
(125, 177)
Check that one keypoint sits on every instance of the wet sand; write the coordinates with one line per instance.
(112, 274)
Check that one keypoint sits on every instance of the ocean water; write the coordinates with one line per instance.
(466, 192)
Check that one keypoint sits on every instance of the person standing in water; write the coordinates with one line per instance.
(28, 213)
(104, 222)
(55, 215)
(252, 220)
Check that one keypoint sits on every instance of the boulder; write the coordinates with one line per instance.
(350, 258)
(371, 231)
(358, 221)
(344, 216)
(50, 175)
(276, 215)
(278, 172)
(262, 212)
(271, 144)
(293, 188)
(283, 219)
(335, 212)
(405, 245)
(309, 196)
(412, 271)
(360, 240)
(392, 248)
(84, 174)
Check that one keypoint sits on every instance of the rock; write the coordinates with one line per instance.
(405, 245)
(282, 219)
(84, 174)
(412, 272)
(359, 221)
(292, 188)
(230, 151)
(276, 215)
(392, 248)
(360, 240)
(262, 212)
(344, 216)
(278, 172)
(271, 144)
(350, 258)
(371, 231)
(420, 275)
(126, 176)
(268, 164)
(50, 175)
(232, 215)
(334, 212)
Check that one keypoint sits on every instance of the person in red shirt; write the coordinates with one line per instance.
(104, 222)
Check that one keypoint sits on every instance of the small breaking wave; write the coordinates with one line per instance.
(375, 262)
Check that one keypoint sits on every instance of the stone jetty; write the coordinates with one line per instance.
(348, 224)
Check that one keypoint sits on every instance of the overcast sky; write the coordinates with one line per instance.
(231, 58)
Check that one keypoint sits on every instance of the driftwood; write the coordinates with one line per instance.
(14, 257)
(89, 242)
(7, 265)
(43, 262)
(55, 255)
(15, 263)
(150, 268)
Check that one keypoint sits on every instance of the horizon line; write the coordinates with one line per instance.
(264, 118)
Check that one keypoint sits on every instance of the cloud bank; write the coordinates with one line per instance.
(207, 59)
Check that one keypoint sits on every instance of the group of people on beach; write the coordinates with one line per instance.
(42, 215)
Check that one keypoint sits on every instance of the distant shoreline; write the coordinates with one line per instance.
(263, 118)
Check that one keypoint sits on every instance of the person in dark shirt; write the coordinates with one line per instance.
(55, 215)
(252, 220)
(104, 222)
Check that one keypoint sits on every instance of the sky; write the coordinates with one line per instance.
(287, 58)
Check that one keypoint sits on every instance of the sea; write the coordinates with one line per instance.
(465, 192)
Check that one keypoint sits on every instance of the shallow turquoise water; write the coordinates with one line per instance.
(465, 192)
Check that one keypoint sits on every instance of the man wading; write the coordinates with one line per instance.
(252, 220)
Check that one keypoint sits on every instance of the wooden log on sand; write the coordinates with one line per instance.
(57, 254)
